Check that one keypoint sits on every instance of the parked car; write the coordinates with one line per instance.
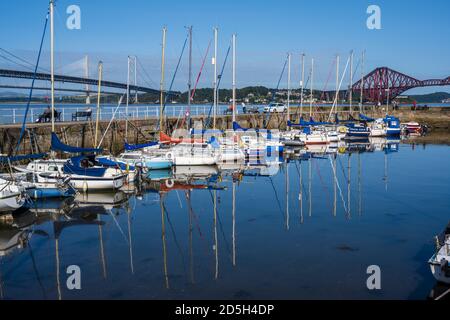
(250, 109)
(276, 107)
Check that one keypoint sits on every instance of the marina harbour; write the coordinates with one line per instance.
(304, 226)
(235, 160)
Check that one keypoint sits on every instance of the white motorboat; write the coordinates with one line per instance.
(378, 128)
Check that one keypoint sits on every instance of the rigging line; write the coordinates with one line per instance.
(166, 97)
(305, 190)
(176, 71)
(342, 167)
(191, 210)
(219, 78)
(175, 237)
(33, 262)
(276, 196)
(201, 70)
(118, 226)
(276, 90)
(328, 78)
(338, 186)
(220, 224)
(323, 184)
(22, 131)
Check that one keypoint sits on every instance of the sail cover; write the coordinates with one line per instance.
(57, 145)
(5, 159)
(140, 146)
(365, 118)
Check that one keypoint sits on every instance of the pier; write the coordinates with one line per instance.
(80, 133)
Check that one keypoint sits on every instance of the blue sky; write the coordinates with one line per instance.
(413, 38)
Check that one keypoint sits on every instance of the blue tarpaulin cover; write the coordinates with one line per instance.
(57, 145)
(4, 159)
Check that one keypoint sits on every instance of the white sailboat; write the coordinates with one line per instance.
(11, 196)
(440, 261)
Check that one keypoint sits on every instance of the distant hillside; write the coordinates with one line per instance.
(436, 97)
(250, 95)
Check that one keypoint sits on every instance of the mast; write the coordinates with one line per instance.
(190, 77)
(233, 218)
(310, 185)
(191, 253)
(362, 83)
(350, 87)
(348, 185)
(234, 77)
(163, 236)
(359, 185)
(287, 195)
(334, 186)
(302, 84)
(161, 84)
(289, 89)
(336, 98)
(300, 196)
(102, 250)
(215, 78)
(100, 72)
(128, 98)
(130, 241)
(216, 249)
(52, 62)
(58, 276)
(311, 93)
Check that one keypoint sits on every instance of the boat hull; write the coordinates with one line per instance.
(158, 165)
(11, 202)
(86, 183)
(43, 193)
(438, 272)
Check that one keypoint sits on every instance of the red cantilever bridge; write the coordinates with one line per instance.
(383, 81)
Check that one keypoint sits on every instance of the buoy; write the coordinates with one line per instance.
(169, 183)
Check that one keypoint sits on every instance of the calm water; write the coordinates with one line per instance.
(389, 206)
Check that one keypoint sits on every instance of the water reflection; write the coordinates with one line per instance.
(213, 223)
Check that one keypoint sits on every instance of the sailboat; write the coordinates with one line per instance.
(85, 172)
(183, 151)
(440, 261)
(11, 196)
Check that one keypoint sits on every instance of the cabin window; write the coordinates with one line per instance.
(52, 168)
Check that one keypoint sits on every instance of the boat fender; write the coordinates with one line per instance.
(169, 183)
